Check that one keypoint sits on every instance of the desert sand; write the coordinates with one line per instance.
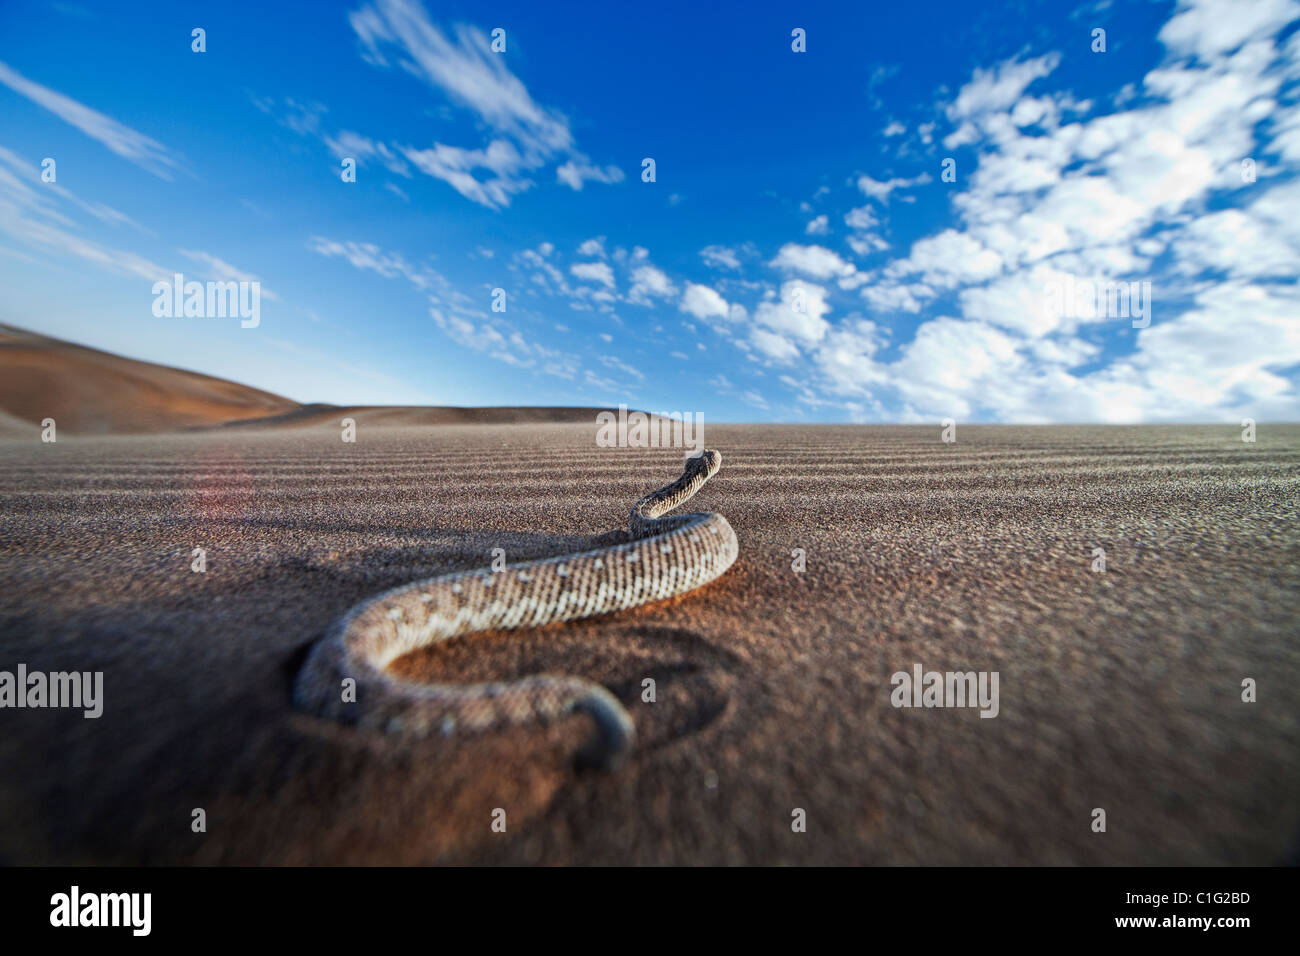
(1118, 689)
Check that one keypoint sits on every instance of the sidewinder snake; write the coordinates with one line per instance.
(666, 557)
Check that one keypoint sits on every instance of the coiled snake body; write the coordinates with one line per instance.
(667, 556)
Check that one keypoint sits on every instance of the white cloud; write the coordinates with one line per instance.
(948, 259)
(798, 314)
(145, 152)
(1059, 192)
(1259, 240)
(525, 134)
(1209, 29)
(1000, 87)
(611, 361)
(594, 272)
(457, 166)
(866, 243)
(465, 69)
(649, 283)
(774, 346)
(897, 297)
(880, 189)
(704, 303)
(223, 271)
(861, 218)
(574, 173)
(31, 216)
(348, 144)
(367, 255)
(815, 261)
(720, 257)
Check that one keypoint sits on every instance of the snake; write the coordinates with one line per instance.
(345, 676)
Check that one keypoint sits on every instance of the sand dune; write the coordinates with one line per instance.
(1119, 690)
(396, 416)
(11, 427)
(89, 392)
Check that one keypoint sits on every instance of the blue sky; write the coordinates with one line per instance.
(798, 258)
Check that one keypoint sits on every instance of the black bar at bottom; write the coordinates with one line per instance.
(335, 906)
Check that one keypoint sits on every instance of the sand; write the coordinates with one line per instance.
(1118, 690)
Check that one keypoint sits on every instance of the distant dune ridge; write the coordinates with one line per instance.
(305, 416)
(89, 392)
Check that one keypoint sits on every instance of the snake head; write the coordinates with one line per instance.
(706, 463)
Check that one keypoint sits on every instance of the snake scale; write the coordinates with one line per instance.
(666, 556)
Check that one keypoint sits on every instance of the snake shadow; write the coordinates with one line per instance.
(694, 680)
(673, 681)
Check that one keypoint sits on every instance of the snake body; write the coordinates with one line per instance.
(666, 557)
